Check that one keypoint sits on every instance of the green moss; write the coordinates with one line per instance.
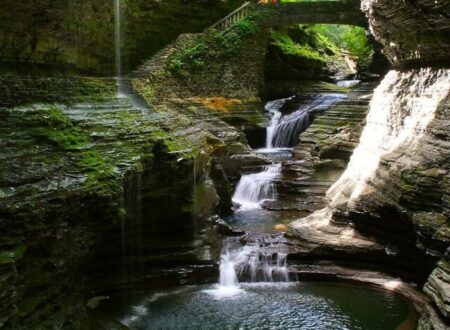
(66, 138)
(172, 144)
(59, 130)
(210, 47)
(283, 41)
(322, 42)
(91, 162)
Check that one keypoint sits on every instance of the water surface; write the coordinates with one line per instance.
(272, 306)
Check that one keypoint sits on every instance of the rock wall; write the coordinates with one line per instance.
(207, 65)
(80, 186)
(413, 32)
(80, 34)
(16, 90)
(63, 33)
(395, 189)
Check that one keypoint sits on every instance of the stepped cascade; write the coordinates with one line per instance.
(283, 130)
(225, 164)
(249, 264)
(255, 188)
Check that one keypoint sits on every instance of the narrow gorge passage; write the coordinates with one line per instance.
(225, 164)
(257, 287)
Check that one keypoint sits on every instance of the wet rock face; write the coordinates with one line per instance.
(398, 171)
(396, 187)
(411, 31)
(323, 150)
(82, 186)
(438, 287)
(69, 34)
(17, 89)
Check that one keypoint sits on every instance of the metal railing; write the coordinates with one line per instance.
(228, 21)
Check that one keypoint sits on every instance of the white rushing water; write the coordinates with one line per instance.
(274, 108)
(284, 131)
(118, 45)
(250, 264)
(401, 109)
(255, 188)
(348, 83)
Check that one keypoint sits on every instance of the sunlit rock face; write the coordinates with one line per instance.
(402, 109)
(396, 188)
(412, 31)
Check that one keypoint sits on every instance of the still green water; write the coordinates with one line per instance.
(310, 305)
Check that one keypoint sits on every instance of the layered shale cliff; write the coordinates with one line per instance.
(395, 190)
(79, 35)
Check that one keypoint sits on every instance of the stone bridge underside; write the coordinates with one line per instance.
(321, 12)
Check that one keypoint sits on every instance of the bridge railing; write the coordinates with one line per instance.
(228, 21)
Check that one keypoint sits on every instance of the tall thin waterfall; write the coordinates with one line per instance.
(118, 44)
(284, 131)
(255, 188)
(250, 264)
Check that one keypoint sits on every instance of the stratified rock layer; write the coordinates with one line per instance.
(412, 32)
(80, 34)
(395, 190)
(81, 185)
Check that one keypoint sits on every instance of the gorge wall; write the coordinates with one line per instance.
(79, 35)
(395, 189)
(106, 155)
(413, 32)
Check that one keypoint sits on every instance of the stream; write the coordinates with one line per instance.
(257, 288)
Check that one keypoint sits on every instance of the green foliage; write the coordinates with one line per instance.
(290, 47)
(211, 46)
(319, 41)
(355, 40)
(352, 39)
(11, 256)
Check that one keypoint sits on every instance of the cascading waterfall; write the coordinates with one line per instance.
(253, 263)
(274, 108)
(284, 131)
(250, 264)
(255, 188)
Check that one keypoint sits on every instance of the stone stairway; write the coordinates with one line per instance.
(157, 63)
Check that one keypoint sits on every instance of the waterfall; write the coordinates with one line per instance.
(250, 264)
(254, 264)
(274, 108)
(228, 276)
(284, 131)
(118, 46)
(255, 188)
(124, 88)
(402, 107)
(348, 83)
